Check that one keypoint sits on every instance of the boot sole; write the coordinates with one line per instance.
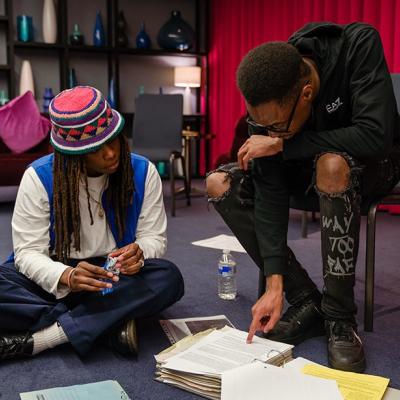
(132, 337)
(357, 367)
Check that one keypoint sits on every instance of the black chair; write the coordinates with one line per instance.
(157, 135)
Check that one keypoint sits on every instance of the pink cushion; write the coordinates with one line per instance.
(21, 125)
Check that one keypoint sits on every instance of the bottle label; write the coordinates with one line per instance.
(225, 270)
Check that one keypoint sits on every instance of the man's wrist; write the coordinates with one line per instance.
(274, 283)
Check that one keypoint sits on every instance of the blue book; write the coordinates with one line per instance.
(105, 390)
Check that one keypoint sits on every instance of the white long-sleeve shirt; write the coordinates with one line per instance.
(31, 224)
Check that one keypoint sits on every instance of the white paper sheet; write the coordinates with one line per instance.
(223, 350)
(259, 381)
(221, 242)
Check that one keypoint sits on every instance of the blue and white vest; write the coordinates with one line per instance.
(44, 169)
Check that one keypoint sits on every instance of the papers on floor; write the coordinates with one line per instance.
(351, 385)
(259, 381)
(177, 329)
(105, 390)
(197, 364)
(221, 242)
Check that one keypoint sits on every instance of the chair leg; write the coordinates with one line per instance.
(304, 224)
(313, 217)
(261, 283)
(172, 182)
(370, 269)
(185, 181)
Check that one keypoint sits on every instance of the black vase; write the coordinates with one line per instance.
(121, 37)
(176, 34)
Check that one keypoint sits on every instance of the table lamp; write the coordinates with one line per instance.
(187, 77)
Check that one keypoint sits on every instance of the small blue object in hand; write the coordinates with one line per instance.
(109, 266)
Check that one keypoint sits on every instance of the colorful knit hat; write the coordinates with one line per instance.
(82, 120)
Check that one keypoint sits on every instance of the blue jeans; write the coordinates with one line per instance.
(340, 224)
(84, 316)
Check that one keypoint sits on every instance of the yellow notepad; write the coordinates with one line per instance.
(352, 386)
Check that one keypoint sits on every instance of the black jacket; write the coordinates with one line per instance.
(355, 112)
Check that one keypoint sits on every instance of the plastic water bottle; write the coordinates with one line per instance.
(227, 288)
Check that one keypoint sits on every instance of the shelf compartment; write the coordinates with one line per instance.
(38, 45)
(157, 52)
(90, 49)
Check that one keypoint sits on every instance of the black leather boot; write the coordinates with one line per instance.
(16, 346)
(345, 349)
(298, 323)
(124, 339)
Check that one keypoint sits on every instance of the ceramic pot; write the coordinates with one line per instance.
(176, 34)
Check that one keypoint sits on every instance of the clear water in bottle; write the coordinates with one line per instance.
(227, 288)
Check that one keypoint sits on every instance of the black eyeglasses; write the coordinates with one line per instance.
(258, 129)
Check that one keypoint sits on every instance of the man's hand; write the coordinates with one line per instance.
(267, 311)
(129, 259)
(258, 146)
(86, 277)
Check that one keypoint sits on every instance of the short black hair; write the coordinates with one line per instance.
(271, 72)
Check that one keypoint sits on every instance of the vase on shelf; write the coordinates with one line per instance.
(121, 37)
(72, 82)
(3, 98)
(24, 28)
(47, 97)
(49, 22)
(111, 94)
(76, 38)
(26, 78)
(142, 38)
(176, 34)
(98, 32)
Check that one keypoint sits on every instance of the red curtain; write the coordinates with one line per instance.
(236, 26)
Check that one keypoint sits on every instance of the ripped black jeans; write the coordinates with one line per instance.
(339, 219)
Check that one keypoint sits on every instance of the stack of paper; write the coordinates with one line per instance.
(197, 362)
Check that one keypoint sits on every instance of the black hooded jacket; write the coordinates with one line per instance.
(355, 112)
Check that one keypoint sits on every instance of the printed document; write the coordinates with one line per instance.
(226, 349)
(259, 381)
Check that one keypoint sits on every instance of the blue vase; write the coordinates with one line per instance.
(142, 38)
(47, 97)
(176, 34)
(98, 33)
(24, 28)
(111, 94)
(71, 78)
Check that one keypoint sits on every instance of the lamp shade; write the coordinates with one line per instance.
(187, 76)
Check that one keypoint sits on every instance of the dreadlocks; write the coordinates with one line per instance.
(68, 171)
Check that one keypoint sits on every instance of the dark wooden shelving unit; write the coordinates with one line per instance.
(38, 45)
(66, 54)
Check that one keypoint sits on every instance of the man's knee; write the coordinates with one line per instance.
(333, 173)
(217, 184)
